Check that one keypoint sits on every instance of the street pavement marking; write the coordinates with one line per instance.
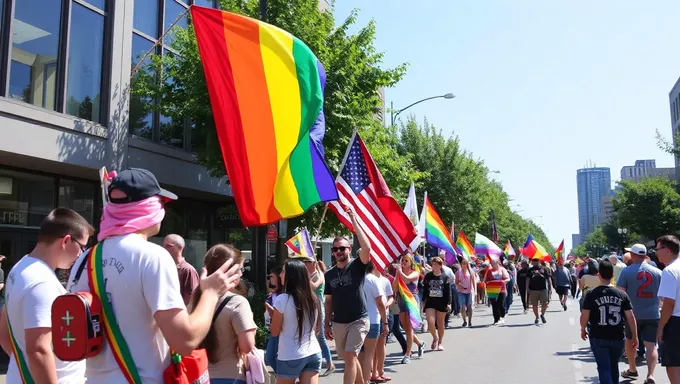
(578, 373)
(572, 321)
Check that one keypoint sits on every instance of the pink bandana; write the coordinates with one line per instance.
(123, 219)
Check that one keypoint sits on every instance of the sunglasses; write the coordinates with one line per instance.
(341, 249)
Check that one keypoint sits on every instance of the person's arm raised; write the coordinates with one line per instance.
(183, 331)
(365, 253)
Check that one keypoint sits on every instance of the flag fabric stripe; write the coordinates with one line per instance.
(435, 231)
(266, 90)
(301, 244)
(361, 187)
(484, 246)
(464, 246)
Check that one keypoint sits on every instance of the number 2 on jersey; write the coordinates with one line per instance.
(648, 279)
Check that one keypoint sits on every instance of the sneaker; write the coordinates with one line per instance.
(501, 321)
(525, 311)
(628, 374)
(536, 321)
(495, 323)
(421, 348)
(564, 306)
(542, 319)
(405, 360)
(464, 324)
(470, 324)
(328, 371)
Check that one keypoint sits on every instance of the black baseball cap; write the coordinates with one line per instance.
(137, 184)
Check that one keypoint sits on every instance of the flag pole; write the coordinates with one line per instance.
(318, 229)
(160, 39)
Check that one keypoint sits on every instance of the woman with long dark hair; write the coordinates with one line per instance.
(296, 321)
(232, 334)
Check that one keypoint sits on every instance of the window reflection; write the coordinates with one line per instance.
(35, 49)
(172, 11)
(85, 63)
(25, 199)
(205, 3)
(101, 4)
(78, 196)
(141, 115)
(145, 17)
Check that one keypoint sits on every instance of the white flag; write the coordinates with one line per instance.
(411, 206)
(423, 221)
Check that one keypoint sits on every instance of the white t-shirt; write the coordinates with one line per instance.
(449, 273)
(670, 285)
(141, 278)
(386, 287)
(373, 289)
(290, 346)
(267, 316)
(31, 289)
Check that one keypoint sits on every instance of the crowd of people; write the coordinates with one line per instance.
(162, 303)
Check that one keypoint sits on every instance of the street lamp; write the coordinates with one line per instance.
(395, 114)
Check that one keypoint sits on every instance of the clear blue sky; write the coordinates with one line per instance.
(541, 87)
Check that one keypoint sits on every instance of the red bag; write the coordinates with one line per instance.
(191, 369)
(76, 326)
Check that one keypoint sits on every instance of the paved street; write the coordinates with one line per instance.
(518, 352)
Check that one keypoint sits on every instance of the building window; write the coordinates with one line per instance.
(78, 196)
(86, 55)
(144, 121)
(42, 72)
(25, 198)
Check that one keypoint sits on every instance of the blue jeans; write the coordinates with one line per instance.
(271, 351)
(292, 369)
(395, 327)
(607, 354)
(321, 338)
(508, 299)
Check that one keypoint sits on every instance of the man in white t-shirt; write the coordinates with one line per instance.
(31, 289)
(377, 318)
(668, 333)
(142, 283)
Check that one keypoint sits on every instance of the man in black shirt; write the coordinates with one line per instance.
(346, 313)
(603, 310)
(537, 287)
(522, 275)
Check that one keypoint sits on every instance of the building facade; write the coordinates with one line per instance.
(66, 111)
(645, 168)
(592, 184)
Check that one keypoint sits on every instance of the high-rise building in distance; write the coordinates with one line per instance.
(592, 184)
(645, 168)
(674, 101)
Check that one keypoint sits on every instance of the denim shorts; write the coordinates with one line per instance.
(373, 332)
(292, 369)
(464, 299)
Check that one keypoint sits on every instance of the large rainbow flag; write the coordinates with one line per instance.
(436, 233)
(301, 244)
(494, 288)
(464, 247)
(484, 246)
(266, 90)
(509, 250)
(533, 250)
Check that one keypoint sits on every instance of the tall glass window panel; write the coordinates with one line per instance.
(25, 198)
(172, 130)
(141, 115)
(145, 17)
(35, 50)
(83, 91)
(197, 234)
(172, 11)
(79, 196)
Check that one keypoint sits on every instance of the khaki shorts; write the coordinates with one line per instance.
(536, 296)
(350, 337)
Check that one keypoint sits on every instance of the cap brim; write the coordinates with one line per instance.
(167, 195)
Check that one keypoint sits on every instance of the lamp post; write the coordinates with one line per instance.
(623, 232)
(395, 114)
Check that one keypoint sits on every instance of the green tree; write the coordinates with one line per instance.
(354, 77)
(650, 207)
(595, 245)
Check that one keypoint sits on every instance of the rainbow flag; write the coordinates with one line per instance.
(266, 90)
(494, 288)
(533, 250)
(301, 244)
(464, 247)
(559, 251)
(435, 232)
(509, 250)
(411, 303)
(484, 246)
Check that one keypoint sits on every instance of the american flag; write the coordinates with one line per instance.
(362, 187)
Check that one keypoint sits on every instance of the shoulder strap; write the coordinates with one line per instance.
(80, 269)
(24, 372)
(220, 308)
(114, 336)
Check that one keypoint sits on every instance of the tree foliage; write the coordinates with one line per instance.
(650, 207)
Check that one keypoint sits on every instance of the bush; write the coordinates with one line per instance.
(257, 306)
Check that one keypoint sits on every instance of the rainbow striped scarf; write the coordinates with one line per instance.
(19, 359)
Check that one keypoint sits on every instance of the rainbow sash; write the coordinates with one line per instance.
(114, 336)
(494, 288)
(19, 359)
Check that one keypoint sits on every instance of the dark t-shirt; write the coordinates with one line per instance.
(538, 278)
(346, 286)
(607, 305)
(522, 276)
(437, 290)
(188, 280)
